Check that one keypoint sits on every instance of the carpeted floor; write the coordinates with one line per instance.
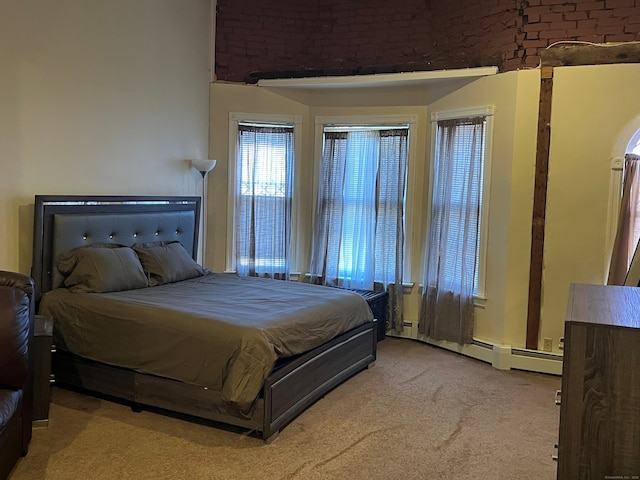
(419, 413)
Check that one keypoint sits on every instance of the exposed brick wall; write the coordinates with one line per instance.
(257, 39)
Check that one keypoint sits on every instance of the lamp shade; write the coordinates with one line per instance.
(203, 165)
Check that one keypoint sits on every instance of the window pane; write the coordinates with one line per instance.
(263, 200)
(457, 200)
(362, 173)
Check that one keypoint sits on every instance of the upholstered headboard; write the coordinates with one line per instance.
(66, 222)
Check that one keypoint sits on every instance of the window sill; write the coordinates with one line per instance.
(295, 276)
(407, 287)
(479, 302)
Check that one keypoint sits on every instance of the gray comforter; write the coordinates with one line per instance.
(219, 331)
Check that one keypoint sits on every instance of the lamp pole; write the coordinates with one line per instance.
(204, 167)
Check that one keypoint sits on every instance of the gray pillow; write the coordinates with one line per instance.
(167, 262)
(102, 269)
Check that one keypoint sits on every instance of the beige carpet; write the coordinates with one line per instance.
(419, 413)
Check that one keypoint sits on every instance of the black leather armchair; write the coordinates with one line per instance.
(16, 384)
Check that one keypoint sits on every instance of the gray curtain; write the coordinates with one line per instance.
(628, 223)
(358, 236)
(447, 311)
(263, 198)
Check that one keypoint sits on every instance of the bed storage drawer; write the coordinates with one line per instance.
(297, 385)
(77, 372)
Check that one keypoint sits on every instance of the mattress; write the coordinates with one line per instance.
(220, 331)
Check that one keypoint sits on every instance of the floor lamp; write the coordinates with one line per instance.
(204, 166)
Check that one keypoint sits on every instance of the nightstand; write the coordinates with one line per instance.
(378, 303)
(42, 378)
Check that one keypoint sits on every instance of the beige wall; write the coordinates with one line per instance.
(515, 96)
(227, 98)
(507, 241)
(112, 97)
(98, 97)
(592, 107)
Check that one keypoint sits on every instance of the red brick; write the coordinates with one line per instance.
(535, 27)
(538, 10)
(610, 30)
(564, 7)
(583, 36)
(604, 22)
(627, 12)
(601, 14)
(587, 23)
(551, 17)
(553, 34)
(336, 34)
(621, 37)
(562, 25)
(575, 16)
(534, 43)
(589, 6)
(510, 65)
(619, 3)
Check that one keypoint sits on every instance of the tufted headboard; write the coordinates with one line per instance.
(62, 223)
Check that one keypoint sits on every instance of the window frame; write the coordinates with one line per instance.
(236, 118)
(346, 121)
(486, 111)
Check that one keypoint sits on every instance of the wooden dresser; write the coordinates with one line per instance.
(600, 400)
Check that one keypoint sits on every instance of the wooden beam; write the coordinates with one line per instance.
(568, 55)
(539, 208)
(560, 55)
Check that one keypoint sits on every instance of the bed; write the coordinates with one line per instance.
(247, 352)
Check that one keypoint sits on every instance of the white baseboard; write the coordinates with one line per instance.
(502, 357)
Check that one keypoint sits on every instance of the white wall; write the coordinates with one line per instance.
(98, 97)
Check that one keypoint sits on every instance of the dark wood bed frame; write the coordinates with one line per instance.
(65, 222)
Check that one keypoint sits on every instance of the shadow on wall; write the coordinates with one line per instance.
(25, 238)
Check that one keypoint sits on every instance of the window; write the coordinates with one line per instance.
(459, 193)
(262, 182)
(634, 144)
(359, 232)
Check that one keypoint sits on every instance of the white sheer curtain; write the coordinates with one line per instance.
(358, 236)
(344, 234)
(628, 230)
(451, 269)
(264, 192)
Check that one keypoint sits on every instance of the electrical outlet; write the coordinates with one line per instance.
(547, 346)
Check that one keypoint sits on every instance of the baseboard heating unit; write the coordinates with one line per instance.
(502, 357)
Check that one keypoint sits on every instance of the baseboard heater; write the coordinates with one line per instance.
(503, 357)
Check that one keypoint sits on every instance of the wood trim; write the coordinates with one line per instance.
(595, 54)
